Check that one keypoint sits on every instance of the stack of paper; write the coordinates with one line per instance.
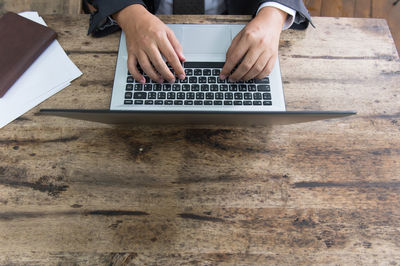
(49, 74)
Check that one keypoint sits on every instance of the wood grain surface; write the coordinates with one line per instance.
(327, 192)
(62, 7)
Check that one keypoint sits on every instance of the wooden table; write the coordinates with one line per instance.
(324, 192)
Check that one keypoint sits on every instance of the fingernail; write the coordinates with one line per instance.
(142, 80)
(171, 81)
(222, 77)
(181, 76)
(161, 81)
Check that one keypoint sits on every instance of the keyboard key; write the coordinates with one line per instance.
(238, 103)
(190, 95)
(138, 101)
(251, 87)
(216, 72)
(212, 79)
(157, 87)
(128, 95)
(129, 87)
(266, 96)
(228, 96)
(186, 87)
(159, 102)
(257, 96)
(256, 102)
(242, 87)
(198, 72)
(205, 87)
(264, 80)
(238, 96)
(248, 96)
(217, 102)
(185, 80)
(267, 103)
(168, 102)
(193, 80)
(166, 87)
(188, 102)
(152, 95)
(198, 102)
(219, 96)
(161, 95)
(227, 102)
(178, 102)
(202, 80)
(128, 102)
(223, 87)
(199, 96)
(129, 79)
(208, 102)
(171, 95)
(233, 87)
(148, 87)
(138, 87)
(207, 72)
(214, 87)
(188, 72)
(176, 87)
(195, 87)
(180, 95)
(263, 88)
(210, 96)
(148, 102)
(247, 103)
(140, 95)
(220, 80)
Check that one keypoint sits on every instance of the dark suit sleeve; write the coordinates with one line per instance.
(302, 18)
(106, 8)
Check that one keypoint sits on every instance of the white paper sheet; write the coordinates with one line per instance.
(49, 74)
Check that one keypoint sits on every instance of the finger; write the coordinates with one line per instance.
(247, 63)
(159, 64)
(268, 68)
(235, 52)
(132, 66)
(148, 68)
(169, 53)
(176, 45)
(258, 67)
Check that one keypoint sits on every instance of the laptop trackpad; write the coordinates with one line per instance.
(206, 40)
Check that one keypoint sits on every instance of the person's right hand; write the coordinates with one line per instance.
(147, 40)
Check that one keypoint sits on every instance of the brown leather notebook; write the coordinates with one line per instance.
(21, 42)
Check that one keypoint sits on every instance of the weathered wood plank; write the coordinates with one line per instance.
(386, 9)
(314, 7)
(338, 8)
(62, 7)
(74, 192)
(363, 9)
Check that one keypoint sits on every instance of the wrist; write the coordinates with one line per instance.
(272, 15)
(129, 12)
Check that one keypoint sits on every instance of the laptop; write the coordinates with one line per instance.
(202, 98)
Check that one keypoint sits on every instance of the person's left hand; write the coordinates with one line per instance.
(255, 47)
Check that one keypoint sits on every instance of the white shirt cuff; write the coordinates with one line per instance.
(291, 13)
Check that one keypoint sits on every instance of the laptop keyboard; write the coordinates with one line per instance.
(202, 86)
